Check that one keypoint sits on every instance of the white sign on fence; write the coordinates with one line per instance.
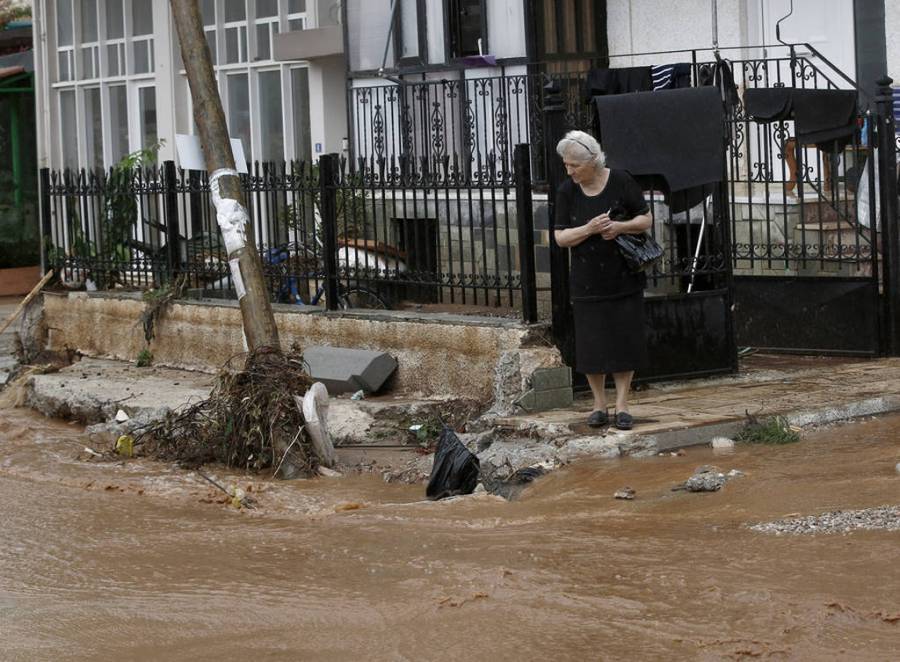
(190, 153)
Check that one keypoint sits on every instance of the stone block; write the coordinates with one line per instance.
(551, 399)
(546, 379)
(345, 370)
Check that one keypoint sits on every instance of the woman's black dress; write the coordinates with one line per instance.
(607, 299)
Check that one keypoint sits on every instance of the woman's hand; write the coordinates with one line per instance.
(597, 224)
(609, 229)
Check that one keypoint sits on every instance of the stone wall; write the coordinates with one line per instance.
(438, 355)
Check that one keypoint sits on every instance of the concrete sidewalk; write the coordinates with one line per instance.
(806, 390)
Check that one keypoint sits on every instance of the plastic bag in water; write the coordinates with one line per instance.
(455, 469)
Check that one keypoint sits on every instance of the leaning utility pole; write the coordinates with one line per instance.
(224, 182)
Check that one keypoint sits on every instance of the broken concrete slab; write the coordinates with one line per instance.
(346, 370)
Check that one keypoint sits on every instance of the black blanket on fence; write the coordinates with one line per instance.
(677, 135)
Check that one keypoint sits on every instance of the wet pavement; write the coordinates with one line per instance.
(141, 561)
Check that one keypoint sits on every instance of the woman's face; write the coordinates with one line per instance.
(580, 172)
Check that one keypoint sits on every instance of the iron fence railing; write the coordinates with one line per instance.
(401, 232)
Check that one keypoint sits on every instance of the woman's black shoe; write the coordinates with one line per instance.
(624, 421)
(598, 419)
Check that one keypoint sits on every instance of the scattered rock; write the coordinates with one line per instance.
(121, 416)
(707, 478)
(329, 473)
(838, 521)
(626, 493)
(897, 468)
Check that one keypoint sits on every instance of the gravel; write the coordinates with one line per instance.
(839, 521)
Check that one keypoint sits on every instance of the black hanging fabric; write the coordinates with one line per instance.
(603, 82)
(718, 75)
(825, 118)
(677, 135)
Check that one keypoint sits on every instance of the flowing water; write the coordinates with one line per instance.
(139, 561)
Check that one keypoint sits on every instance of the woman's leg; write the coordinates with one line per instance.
(623, 386)
(597, 383)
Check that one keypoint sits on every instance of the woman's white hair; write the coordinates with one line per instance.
(581, 147)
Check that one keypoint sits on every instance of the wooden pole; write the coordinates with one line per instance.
(231, 209)
(34, 291)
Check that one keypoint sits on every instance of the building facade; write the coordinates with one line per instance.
(110, 79)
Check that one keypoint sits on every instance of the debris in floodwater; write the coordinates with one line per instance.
(455, 470)
(626, 494)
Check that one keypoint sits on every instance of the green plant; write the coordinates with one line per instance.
(108, 243)
(773, 430)
(144, 358)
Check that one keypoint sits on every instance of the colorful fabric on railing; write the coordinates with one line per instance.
(670, 76)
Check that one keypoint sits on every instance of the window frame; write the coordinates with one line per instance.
(421, 57)
(451, 32)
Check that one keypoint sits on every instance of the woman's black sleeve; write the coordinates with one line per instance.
(633, 198)
(560, 219)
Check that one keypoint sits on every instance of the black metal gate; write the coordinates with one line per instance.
(806, 223)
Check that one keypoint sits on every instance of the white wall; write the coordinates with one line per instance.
(642, 26)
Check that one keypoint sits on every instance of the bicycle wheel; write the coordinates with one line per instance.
(361, 297)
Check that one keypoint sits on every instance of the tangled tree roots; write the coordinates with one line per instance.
(249, 421)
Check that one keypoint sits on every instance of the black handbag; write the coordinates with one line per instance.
(640, 251)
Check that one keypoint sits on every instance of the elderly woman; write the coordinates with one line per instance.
(607, 298)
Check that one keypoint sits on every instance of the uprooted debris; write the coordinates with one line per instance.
(250, 421)
(508, 486)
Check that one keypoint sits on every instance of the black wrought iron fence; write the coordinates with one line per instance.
(401, 232)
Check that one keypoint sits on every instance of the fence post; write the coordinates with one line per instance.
(173, 236)
(890, 233)
(328, 167)
(46, 227)
(525, 226)
(554, 128)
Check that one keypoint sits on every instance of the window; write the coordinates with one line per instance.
(271, 114)
(235, 31)
(239, 111)
(570, 30)
(266, 27)
(115, 38)
(147, 116)
(142, 36)
(410, 33)
(300, 92)
(90, 47)
(296, 15)
(118, 122)
(68, 128)
(65, 40)
(93, 128)
(467, 21)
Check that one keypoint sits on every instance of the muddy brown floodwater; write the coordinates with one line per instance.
(139, 561)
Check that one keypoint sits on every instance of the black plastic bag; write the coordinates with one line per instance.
(455, 469)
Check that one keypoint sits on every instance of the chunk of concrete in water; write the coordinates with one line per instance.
(346, 370)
